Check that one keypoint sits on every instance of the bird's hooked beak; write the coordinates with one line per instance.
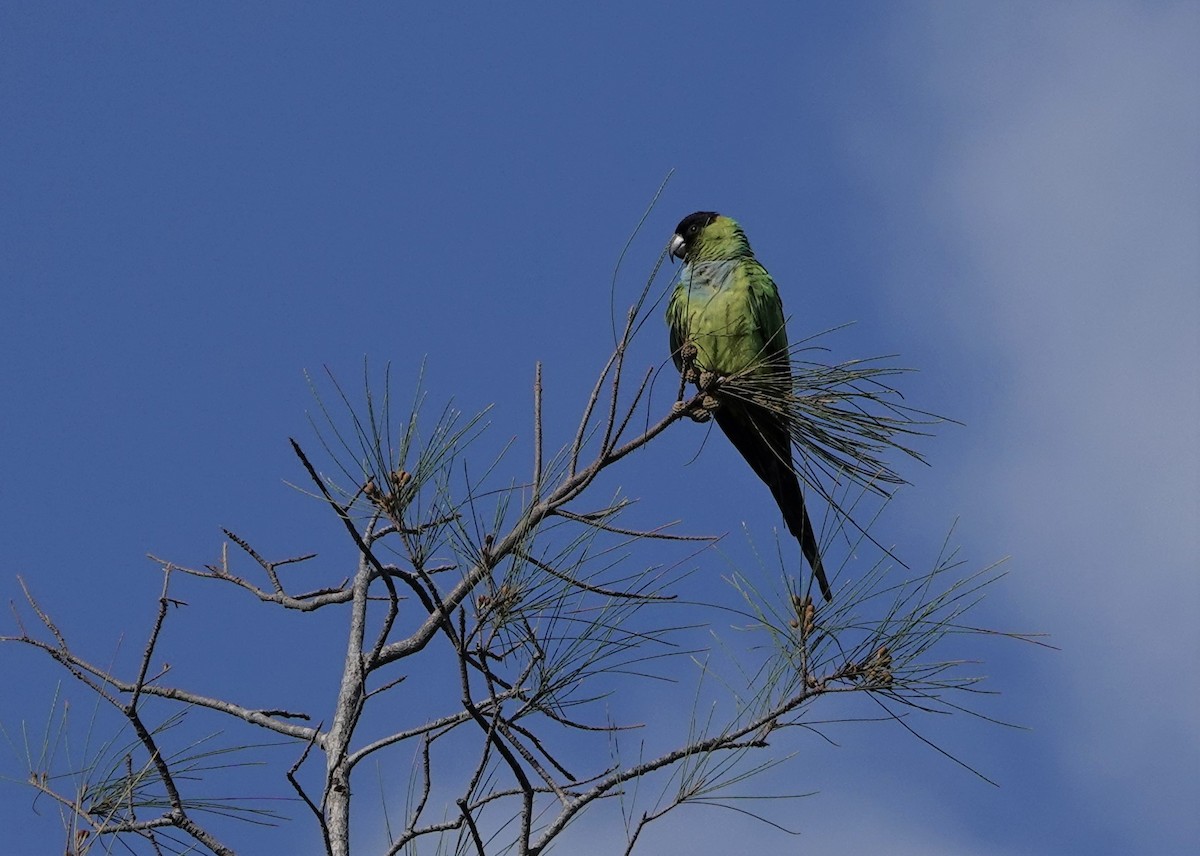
(676, 246)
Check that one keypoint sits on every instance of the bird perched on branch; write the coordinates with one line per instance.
(728, 336)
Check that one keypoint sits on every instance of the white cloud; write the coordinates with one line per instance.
(1066, 189)
(1079, 211)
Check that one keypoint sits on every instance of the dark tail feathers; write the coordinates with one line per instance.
(763, 442)
(789, 498)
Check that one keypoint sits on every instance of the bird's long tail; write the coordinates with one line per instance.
(787, 493)
(764, 443)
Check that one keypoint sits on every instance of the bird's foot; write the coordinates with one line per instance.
(707, 381)
(700, 410)
(692, 411)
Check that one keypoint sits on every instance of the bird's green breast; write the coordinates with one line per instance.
(711, 308)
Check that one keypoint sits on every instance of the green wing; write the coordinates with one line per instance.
(766, 310)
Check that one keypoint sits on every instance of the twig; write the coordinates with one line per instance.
(291, 777)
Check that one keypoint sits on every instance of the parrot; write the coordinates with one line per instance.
(725, 317)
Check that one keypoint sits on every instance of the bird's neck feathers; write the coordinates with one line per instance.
(722, 239)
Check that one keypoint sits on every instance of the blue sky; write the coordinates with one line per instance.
(197, 204)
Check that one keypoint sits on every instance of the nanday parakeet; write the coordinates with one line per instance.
(728, 307)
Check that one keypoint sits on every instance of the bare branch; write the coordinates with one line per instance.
(521, 596)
